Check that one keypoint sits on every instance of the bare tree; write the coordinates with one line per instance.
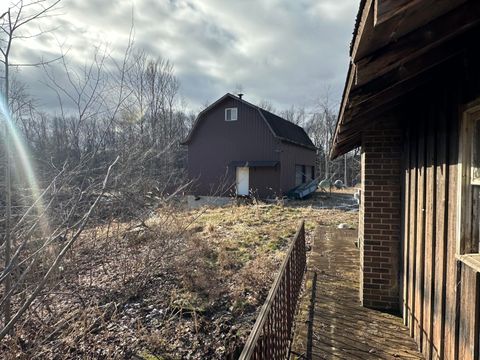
(152, 114)
(295, 114)
(17, 15)
(266, 105)
(321, 127)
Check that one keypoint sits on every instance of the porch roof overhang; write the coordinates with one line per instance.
(395, 46)
(253, 163)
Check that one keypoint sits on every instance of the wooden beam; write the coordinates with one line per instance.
(405, 78)
(410, 13)
(418, 43)
(441, 218)
(401, 20)
(407, 181)
(430, 226)
(468, 331)
(419, 331)
(452, 278)
(412, 219)
(365, 27)
(341, 150)
(386, 9)
(349, 135)
(378, 99)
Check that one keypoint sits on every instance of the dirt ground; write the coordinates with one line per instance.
(184, 284)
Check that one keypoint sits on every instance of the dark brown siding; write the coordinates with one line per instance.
(265, 182)
(217, 142)
(292, 155)
(440, 292)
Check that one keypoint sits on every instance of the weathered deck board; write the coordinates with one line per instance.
(341, 327)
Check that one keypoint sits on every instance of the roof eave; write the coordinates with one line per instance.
(313, 148)
(361, 17)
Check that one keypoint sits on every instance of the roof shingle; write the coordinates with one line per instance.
(287, 130)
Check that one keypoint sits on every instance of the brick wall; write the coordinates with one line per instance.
(380, 216)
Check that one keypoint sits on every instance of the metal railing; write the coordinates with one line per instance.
(271, 334)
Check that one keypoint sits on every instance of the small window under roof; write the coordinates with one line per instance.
(230, 114)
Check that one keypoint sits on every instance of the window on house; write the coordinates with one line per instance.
(475, 185)
(470, 183)
(303, 174)
(230, 114)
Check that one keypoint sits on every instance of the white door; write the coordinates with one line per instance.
(242, 180)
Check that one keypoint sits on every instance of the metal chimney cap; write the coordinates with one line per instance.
(240, 96)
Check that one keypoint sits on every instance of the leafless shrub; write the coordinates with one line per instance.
(255, 275)
(124, 114)
(197, 268)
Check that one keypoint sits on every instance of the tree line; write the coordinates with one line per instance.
(111, 149)
(319, 121)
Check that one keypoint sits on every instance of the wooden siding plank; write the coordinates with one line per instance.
(476, 334)
(468, 329)
(451, 266)
(412, 228)
(419, 43)
(400, 21)
(429, 245)
(420, 246)
(385, 9)
(441, 239)
(406, 229)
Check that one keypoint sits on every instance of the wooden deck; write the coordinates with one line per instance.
(335, 325)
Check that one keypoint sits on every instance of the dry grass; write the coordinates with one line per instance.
(180, 284)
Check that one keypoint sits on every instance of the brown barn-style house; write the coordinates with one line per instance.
(412, 102)
(237, 148)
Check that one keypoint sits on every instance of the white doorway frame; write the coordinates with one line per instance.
(243, 181)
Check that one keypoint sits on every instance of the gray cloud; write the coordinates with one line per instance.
(281, 50)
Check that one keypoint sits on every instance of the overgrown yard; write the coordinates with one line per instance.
(182, 284)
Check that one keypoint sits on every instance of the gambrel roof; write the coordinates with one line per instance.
(282, 129)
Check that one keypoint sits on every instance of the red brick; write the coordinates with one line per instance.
(380, 215)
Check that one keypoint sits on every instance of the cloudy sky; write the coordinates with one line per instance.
(284, 51)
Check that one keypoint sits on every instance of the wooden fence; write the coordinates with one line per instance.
(271, 334)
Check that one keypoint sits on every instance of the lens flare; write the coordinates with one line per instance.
(23, 163)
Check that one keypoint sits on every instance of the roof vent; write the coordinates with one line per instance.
(240, 96)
